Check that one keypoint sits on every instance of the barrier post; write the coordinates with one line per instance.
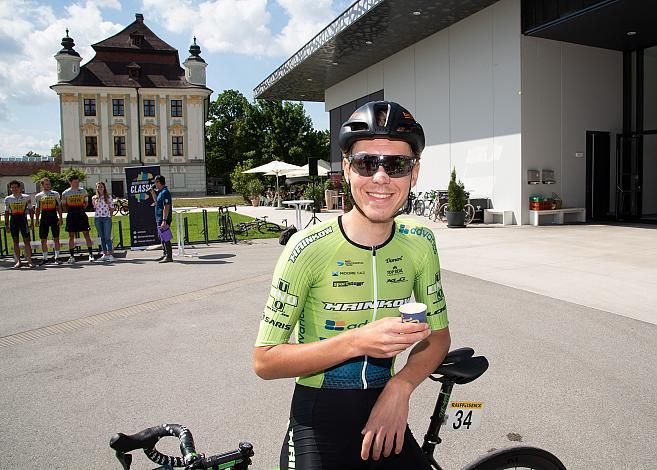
(205, 227)
(186, 236)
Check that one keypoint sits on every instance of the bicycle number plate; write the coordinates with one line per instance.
(463, 415)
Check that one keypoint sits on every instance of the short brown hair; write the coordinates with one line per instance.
(15, 182)
(44, 179)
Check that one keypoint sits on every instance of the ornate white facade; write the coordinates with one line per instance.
(153, 114)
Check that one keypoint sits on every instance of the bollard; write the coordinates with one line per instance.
(205, 227)
(186, 237)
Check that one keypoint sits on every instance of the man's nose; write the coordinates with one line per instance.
(381, 176)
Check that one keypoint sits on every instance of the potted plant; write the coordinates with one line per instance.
(315, 192)
(455, 202)
(255, 188)
(329, 193)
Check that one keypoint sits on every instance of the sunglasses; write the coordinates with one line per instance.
(395, 166)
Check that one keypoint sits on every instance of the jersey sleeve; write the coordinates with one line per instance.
(287, 295)
(429, 291)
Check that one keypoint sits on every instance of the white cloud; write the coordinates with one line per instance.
(20, 142)
(31, 34)
(243, 26)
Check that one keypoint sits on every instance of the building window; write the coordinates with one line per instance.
(177, 146)
(149, 147)
(118, 108)
(149, 107)
(89, 107)
(119, 145)
(91, 145)
(176, 108)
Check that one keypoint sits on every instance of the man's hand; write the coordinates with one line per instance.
(388, 337)
(387, 422)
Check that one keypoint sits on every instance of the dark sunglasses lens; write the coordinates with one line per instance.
(396, 166)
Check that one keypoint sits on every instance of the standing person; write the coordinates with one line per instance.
(163, 215)
(104, 207)
(17, 206)
(48, 218)
(340, 284)
(74, 201)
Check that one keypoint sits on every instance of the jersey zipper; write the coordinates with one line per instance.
(376, 301)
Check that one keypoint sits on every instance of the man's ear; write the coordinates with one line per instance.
(415, 173)
(345, 169)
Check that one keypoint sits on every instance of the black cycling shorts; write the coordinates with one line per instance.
(324, 433)
(48, 224)
(77, 222)
(18, 227)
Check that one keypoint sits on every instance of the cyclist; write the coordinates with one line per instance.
(17, 206)
(339, 285)
(48, 218)
(74, 200)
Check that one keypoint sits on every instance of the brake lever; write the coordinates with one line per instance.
(125, 459)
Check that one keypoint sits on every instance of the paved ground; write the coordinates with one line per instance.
(138, 344)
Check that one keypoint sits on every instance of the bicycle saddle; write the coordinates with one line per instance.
(460, 367)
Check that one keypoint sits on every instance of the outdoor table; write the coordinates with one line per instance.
(180, 211)
(297, 205)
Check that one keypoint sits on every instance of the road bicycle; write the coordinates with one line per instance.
(225, 223)
(121, 206)
(468, 208)
(460, 366)
(261, 225)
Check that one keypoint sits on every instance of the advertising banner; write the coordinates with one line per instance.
(139, 181)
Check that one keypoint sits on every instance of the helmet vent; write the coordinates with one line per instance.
(358, 126)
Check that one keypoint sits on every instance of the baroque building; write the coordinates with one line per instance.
(133, 104)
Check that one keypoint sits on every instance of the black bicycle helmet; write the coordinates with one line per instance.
(382, 119)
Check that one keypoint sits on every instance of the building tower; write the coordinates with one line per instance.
(68, 60)
(195, 66)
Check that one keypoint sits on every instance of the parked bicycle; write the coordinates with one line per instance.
(225, 224)
(468, 208)
(460, 367)
(121, 206)
(261, 225)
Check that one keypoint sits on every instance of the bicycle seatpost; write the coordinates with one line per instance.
(431, 438)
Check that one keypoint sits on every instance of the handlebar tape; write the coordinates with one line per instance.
(147, 439)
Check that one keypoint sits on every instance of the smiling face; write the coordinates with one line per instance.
(379, 196)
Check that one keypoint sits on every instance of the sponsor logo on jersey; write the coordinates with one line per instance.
(396, 280)
(394, 260)
(275, 323)
(347, 273)
(305, 242)
(335, 273)
(348, 262)
(356, 306)
(395, 271)
(436, 288)
(436, 312)
(341, 325)
(420, 232)
(347, 283)
(281, 297)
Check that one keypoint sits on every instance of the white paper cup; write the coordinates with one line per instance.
(413, 312)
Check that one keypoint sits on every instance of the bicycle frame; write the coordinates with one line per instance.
(431, 438)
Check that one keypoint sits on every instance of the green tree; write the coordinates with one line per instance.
(240, 180)
(455, 194)
(56, 151)
(225, 146)
(59, 181)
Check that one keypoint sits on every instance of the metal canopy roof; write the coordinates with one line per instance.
(366, 33)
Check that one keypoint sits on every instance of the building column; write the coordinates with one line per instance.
(134, 130)
(194, 117)
(104, 153)
(164, 125)
(70, 118)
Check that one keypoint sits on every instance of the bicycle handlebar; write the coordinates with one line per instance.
(148, 438)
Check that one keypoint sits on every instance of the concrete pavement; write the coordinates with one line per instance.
(94, 349)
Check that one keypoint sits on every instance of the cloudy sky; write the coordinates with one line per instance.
(242, 41)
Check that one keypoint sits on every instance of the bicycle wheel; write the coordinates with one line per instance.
(124, 210)
(433, 211)
(531, 458)
(269, 227)
(241, 228)
(418, 207)
(441, 213)
(469, 213)
(230, 229)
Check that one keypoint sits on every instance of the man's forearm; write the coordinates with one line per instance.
(295, 360)
(165, 213)
(425, 357)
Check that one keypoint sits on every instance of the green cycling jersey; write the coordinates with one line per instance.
(325, 284)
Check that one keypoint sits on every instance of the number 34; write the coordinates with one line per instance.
(467, 422)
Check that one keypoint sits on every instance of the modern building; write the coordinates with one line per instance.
(133, 104)
(521, 97)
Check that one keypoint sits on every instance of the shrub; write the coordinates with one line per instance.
(59, 181)
(240, 180)
(254, 188)
(455, 194)
(315, 192)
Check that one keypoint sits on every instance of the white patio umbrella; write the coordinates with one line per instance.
(275, 168)
(323, 168)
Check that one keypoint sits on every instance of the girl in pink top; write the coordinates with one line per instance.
(104, 207)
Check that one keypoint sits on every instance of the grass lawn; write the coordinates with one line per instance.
(194, 228)
(210, 201)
